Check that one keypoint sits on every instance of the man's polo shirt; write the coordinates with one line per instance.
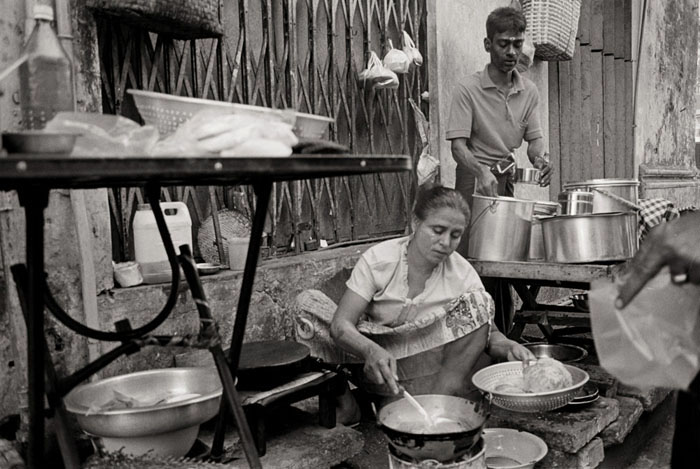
(495, 124)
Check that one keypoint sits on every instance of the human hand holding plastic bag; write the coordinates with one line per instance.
(655, 340)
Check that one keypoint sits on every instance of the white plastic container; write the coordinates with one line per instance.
(237, 252)
(148, 245)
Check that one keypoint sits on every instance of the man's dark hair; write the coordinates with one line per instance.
(505, 19)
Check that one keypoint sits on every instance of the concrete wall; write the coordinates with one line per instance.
(664, 132)
(456, 32)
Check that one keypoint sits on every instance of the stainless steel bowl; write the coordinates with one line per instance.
(576, 202)
(139, 429)
(562, 352)
(38, 141)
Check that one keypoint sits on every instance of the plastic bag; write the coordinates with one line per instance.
(104, 134)
(411, 51)
(396, 60)
(427, 167)
(378, 75)
(655, 340)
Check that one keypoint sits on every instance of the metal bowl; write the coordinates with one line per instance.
(38, 141)
(397, 420)
(167, 429)
(563, 352)
(528, 175)
(488, 378)
(514, 445)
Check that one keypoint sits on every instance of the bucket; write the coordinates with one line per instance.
(237, 252)
(542, 209)
(475, 459)
(148, 245)
(499, 229)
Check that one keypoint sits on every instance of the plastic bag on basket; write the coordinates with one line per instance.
(377, 75)
(655, 340)
(411, 51)
(527, 56)
(396, 60)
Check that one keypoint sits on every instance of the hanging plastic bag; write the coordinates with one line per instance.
(396, 60)
(411, 51)
(377, 75)
(427, 167)
(655, 340)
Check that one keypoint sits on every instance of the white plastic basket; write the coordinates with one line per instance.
(488, 378)
(167, 112)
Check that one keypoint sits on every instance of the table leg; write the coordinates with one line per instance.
(262, 194)
(35, 201)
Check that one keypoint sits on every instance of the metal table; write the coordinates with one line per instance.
(527, 278)
(33, 176)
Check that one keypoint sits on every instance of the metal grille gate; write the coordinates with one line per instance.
(303, 54)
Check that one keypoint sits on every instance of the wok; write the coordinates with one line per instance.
(398, 420)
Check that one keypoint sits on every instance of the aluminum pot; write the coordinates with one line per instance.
(398, 422)
(625, 188)
(575, 202)
(590, 238)
(542, 209)
(499, 229)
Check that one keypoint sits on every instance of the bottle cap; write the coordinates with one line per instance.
(43, 12)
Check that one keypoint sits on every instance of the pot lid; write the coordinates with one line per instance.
(502, 198)
(271, 353)
(603, 182)
(589, 215)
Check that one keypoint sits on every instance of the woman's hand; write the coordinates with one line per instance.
(518, 352)
(380, 367)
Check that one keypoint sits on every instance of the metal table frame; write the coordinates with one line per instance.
(527, 278)
(33, 176)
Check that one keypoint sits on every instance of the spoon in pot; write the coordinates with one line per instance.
(412, 400)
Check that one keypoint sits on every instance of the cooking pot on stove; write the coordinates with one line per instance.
(401, 424)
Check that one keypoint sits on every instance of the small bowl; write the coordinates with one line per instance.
(528, 175)
(507, 448)
(563, 352)
(38, 141)
(208, 268)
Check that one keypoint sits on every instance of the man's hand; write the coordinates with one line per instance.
(487, 184)
(380, 367)
(675, 244)
(543, 165)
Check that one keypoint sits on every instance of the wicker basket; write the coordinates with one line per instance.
(552, 26)
(488, 378)
(181, 19)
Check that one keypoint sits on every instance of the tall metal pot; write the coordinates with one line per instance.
(590, 238)
(625, 188)
(499, 229)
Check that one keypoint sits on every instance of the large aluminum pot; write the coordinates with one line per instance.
(409, 437)
(499, 229)
(542, 209)
(590, 238)
(625, 188)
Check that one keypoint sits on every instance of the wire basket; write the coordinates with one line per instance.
(167, 112)
(180, 19)
(552, 25)
(488, 378)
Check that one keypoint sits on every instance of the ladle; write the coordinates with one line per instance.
(412, 400)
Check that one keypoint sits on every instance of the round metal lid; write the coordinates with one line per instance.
(603, 182)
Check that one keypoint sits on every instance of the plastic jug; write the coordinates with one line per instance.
(237, 253)
(46, 79)
(148, 245)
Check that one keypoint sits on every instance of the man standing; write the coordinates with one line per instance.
(492, 112)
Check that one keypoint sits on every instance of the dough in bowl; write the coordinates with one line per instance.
(546, 374)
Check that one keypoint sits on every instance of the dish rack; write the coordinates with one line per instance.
(488, 378)
(167, 112)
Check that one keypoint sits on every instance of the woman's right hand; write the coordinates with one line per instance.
(380, 367)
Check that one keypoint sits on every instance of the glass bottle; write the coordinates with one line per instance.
(46, 81)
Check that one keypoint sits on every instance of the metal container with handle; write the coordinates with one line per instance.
(600, 237)
(499, 229)
(624, 188)
(542, 209)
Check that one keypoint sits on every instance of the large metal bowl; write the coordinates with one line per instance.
(166, 429)
(398, 420)
(487, 379)
(563, 352)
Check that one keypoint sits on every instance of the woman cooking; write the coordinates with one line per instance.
(415, 311)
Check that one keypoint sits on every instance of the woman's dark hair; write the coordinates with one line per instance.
(433, 197)
(505, 19)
